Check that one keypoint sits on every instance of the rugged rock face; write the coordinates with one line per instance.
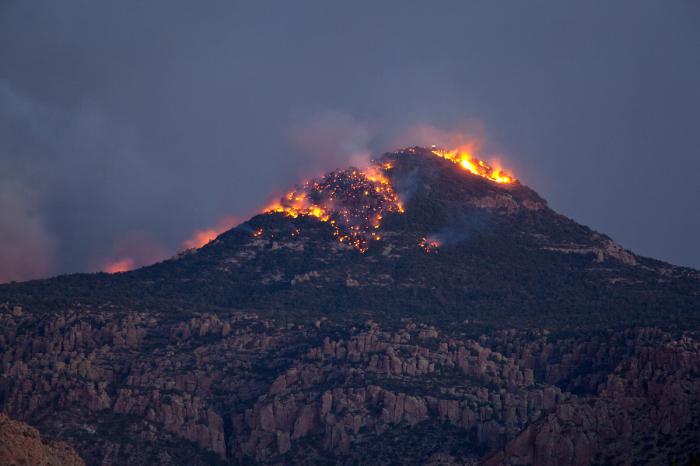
(645, 410)
(21, 445)
(475, 325)
(143, 388)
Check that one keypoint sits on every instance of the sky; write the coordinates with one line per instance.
(127, 128)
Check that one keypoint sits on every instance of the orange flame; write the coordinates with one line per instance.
(350, 227)
(203, 237)
(120, 265)
(371, 195)
(464, 157)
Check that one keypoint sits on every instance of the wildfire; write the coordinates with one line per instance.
(121, 265)
(352, 201)
(202, 237)
(464, 157)
(429, 245)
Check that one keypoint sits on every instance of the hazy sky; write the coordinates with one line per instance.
(126, 126)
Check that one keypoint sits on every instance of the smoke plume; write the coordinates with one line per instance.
(26, 247)
(333, 139)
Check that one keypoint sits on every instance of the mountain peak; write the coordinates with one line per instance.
(464, 157)
(354, 201)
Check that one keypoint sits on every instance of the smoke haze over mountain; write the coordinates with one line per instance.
(127, 127)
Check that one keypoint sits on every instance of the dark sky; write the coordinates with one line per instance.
(126, 126)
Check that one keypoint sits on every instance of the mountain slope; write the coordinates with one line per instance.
(461, 247)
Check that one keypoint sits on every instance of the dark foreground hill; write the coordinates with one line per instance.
(412, 312)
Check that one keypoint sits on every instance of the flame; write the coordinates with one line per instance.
(130, 250)
(429, 245)
(120, 265)
(352, 201)
(464, 157)
(202, 237)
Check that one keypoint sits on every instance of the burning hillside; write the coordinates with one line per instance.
(464, 157)
(352, 201)
(355, 201)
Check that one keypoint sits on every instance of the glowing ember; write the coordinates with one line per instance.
(121, 265)
(258, 233)
(352, 201)
(429, 245)
(464, 157)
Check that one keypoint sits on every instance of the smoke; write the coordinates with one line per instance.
(468, 133)
(88, 188)
(461, 227)
(201, 237)
(333, 139)
(407, 185)
(26, 247)
(132, 250)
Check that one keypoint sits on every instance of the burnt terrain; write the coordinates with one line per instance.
(407, 313)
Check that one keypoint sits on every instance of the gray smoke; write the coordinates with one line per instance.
(26, 247)
(127, 120)
(75, 182)
(332, 139)
(461, 227)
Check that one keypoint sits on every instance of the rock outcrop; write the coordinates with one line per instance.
(22, 445)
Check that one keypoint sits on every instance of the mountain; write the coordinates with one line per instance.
(503, 256)
(426, 309)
